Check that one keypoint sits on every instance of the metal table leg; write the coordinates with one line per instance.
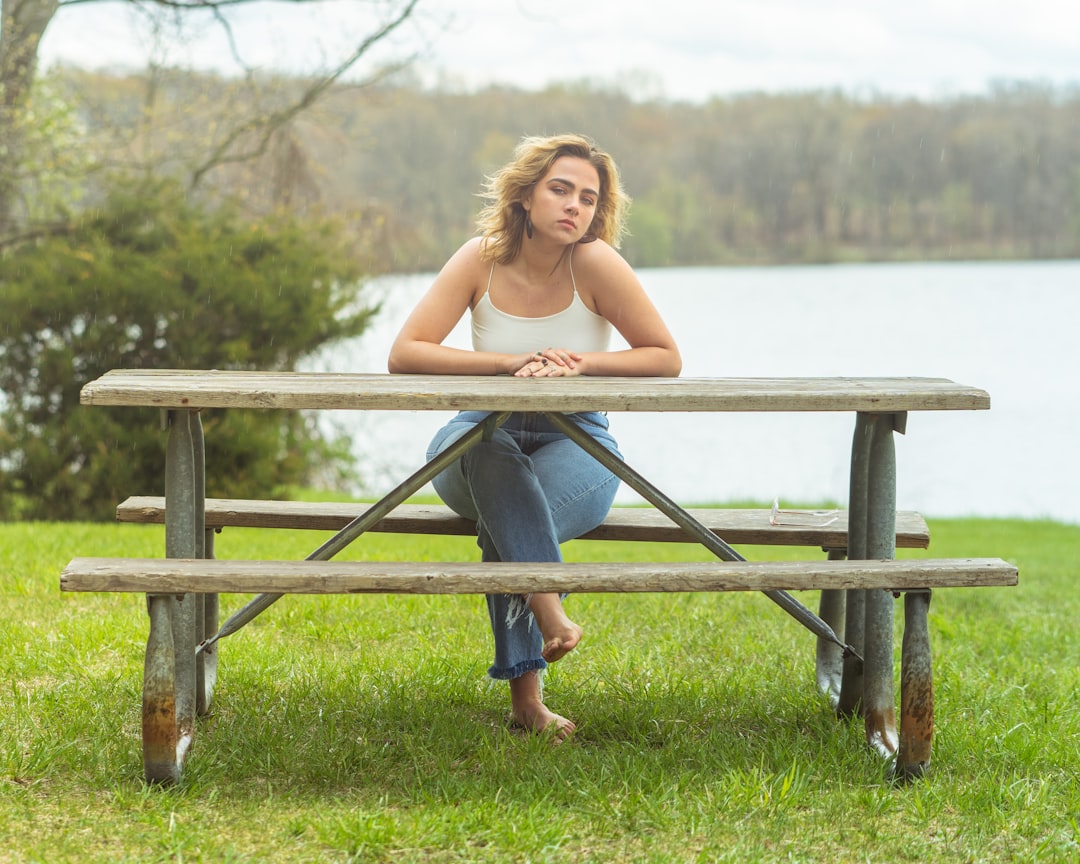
(159, 731)
(207, 661)
(879, 700)
(206, 605)
(829, 662)
(851, 687)
(916, 690)
(872, 535)
(169, 676)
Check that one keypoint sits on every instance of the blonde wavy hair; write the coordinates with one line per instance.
(501, 223)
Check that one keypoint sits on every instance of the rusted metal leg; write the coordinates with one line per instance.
(879, 698)
(872, 534)
(916, 690)
(829, 664)
(851, 687)
(169, 687)
(205, 665)
(184, 646)
(161, 740)
(200, 666)
(208, 659)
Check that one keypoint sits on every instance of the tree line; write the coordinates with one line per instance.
(758, 178)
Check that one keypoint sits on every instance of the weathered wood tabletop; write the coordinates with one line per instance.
(165, 388)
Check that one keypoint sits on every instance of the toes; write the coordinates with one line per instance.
(559, 646)
(553, 650)
(560, 729)
(546, 723)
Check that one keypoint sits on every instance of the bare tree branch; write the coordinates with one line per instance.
(23, 22)
(264, 126)
(227, 28)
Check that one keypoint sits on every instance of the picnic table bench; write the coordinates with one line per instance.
(858, 580)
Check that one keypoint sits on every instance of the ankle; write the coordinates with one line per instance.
(550, 616)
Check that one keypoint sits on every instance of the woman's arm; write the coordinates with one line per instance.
(610, 287)
(418, 348)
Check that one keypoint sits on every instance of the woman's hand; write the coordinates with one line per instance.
(551, 363)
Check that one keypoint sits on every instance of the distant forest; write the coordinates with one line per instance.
(753, 179)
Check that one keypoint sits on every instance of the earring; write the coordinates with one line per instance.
(528, 226)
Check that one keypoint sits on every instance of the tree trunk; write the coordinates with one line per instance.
(22, 23)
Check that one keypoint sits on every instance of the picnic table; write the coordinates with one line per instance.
(854, 627)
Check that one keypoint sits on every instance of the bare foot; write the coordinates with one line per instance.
(528, 710)
(561, 635)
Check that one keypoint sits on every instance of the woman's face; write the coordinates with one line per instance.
(562, 205)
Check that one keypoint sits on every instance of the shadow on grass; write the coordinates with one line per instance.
(442, 733)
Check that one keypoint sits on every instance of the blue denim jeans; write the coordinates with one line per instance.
(529, 489)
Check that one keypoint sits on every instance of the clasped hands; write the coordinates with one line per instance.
(550, 363)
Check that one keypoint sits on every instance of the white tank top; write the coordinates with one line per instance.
(576, 327)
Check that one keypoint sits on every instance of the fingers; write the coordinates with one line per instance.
(550, 363)
(537, 367)
(541, 369)
(561, 356)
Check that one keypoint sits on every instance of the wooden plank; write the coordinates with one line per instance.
(827, 529)
(182, 575)
(165, 388)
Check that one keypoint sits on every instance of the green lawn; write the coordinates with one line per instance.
(363, 729)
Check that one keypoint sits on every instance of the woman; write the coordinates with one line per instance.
(543, 272)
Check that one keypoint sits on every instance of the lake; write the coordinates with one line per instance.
(1009, 328)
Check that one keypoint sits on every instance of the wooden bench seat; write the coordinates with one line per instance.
(827, 529)
(187, 575)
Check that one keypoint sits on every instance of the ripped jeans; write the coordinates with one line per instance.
(529, 489)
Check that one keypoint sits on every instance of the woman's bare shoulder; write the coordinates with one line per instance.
(468, 255)
(600, 261)
(466, 264)
(465, 274)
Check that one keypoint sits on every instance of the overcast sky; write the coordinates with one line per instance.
(679, 49)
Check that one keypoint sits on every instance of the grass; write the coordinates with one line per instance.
(363, 729)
